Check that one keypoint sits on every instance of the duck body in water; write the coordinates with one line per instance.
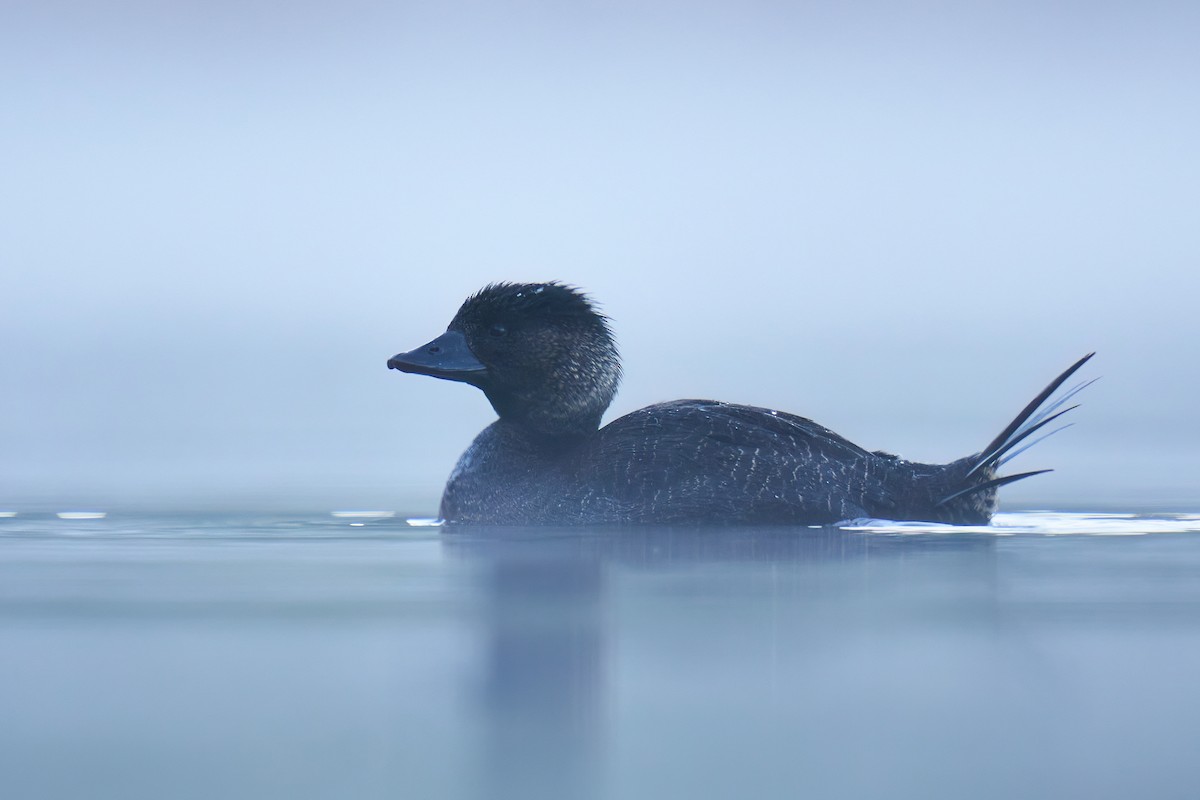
(546, 359)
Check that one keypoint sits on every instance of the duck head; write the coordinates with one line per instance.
(541, 352)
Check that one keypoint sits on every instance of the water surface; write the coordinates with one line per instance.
(1052, 655)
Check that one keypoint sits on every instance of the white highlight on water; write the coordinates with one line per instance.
(1046, 523)
(362, 514)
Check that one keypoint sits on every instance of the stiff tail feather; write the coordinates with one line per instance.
(1031, 419)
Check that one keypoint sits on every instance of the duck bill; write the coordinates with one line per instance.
(446, 357)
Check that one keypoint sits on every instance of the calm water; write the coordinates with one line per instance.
(342, 657)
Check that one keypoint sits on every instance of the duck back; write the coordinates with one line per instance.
(693, 461)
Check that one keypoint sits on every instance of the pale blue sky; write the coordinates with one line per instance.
(900, 219)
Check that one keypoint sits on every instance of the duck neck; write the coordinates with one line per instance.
(566, 404)
(549, 422)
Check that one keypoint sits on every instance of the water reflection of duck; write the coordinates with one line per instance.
(546, 360)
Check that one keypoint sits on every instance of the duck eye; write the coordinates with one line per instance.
(498, 330)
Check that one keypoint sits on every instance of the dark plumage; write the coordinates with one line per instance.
(546, 360)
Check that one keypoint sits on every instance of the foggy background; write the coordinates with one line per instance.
(900, 219)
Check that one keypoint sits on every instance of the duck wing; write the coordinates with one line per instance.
(707, 461)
